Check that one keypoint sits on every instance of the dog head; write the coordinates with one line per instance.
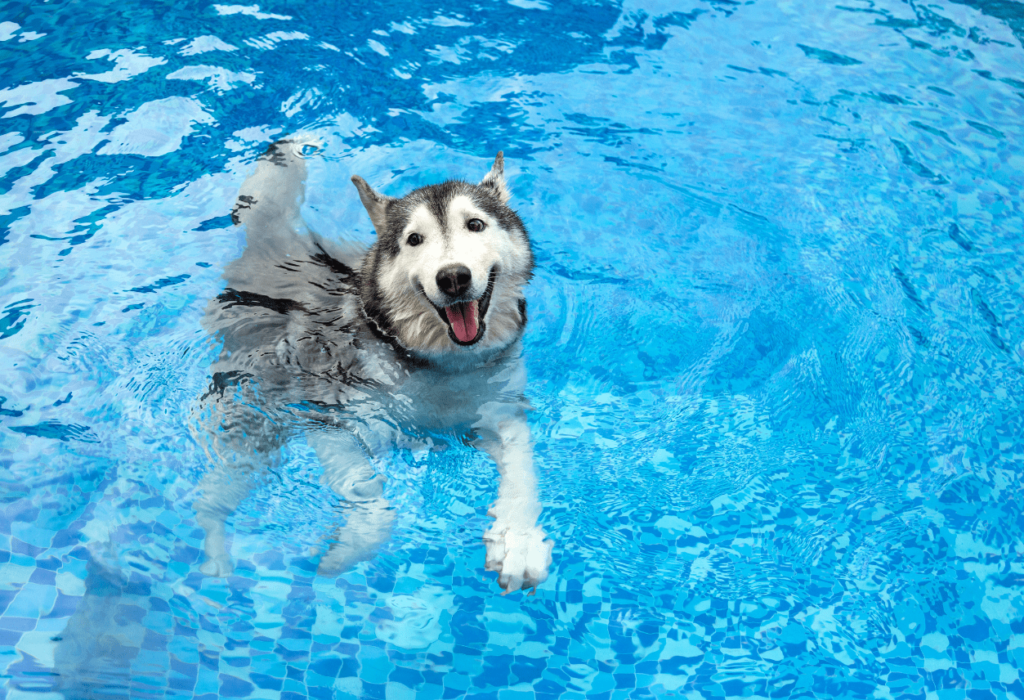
(446, 273)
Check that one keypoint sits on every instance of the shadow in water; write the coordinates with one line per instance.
(107, 646)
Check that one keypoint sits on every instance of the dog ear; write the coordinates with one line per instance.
(376, 204)
(496, 179)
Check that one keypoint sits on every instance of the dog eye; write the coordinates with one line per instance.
(475, 225)
(414, 239)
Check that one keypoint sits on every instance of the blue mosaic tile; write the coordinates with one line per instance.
(774, 351)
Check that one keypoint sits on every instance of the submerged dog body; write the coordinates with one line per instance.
(350, 346)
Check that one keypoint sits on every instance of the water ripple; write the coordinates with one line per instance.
(775, 346)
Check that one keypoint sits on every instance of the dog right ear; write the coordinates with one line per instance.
(376, 204)
(495, 179)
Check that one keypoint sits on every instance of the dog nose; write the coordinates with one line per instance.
(454, 280)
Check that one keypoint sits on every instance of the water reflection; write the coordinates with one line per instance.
(774, 345)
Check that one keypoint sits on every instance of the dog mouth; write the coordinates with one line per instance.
(465, 319)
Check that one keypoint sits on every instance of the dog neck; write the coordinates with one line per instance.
(450, 362)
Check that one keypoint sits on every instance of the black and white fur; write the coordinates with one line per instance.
(348, 346)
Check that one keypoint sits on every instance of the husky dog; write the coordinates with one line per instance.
(348, 346)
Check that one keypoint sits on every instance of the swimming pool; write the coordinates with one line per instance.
(775, 349)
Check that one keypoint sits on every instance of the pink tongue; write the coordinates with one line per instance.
(462, 316)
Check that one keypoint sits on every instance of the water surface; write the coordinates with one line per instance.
(775, 349)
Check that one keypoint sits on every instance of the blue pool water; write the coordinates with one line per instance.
(775, 351)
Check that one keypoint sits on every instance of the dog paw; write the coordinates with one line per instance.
(521, 556)
(218, 567)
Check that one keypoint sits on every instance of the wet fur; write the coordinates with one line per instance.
(342, 344)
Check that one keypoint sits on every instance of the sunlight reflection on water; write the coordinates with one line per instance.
(775, 347)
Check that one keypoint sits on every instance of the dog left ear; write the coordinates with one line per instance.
(496, 179)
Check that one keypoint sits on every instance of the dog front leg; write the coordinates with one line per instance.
(516, 545)
(350, 474)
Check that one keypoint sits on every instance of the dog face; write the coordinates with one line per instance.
(447, 271)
